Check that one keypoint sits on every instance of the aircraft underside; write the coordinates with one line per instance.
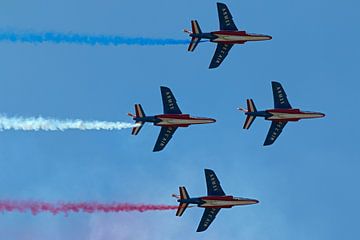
(238, 38)
(292, 116)
(225, 204)
(182, 122)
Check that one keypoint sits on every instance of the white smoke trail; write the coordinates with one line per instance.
(48, 124)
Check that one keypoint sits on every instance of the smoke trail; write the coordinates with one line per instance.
(36, 124)
(36, 207)
(72, 38)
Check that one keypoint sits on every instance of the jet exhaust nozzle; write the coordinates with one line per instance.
(242, 109)
(187, 31)
(175, 196)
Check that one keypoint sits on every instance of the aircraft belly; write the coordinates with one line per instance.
(284, 116)
(174, 121)
(217, 203)
(235, 38)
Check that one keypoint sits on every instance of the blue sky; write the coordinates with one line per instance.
(307, 182)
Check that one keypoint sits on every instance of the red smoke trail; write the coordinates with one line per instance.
(36, 207)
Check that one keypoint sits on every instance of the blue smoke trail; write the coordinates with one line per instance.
(72, 38)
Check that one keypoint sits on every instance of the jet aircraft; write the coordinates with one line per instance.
(169, 121)
(280, 115)
(213, 202)
(225, 38)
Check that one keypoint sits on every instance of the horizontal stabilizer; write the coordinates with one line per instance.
(194, 42)
(139, 113)
(182, 207)
(251, 105)
(250, 109)
(249, 120)
(137, 129)
(195, 27)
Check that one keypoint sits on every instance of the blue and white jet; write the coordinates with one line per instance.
(215, 200)
(226, 37)
(280, 115)
(171, 120)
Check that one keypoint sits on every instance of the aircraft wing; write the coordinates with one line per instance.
(165, 135)
(221, 52)
(225, 18)
(280, 98)
(207, 218)
(213, 184)
(274, 132)
(169, 101)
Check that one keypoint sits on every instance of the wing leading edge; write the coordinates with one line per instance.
(220, 54)
(165, 135)
(213, 184)
(207, 218)
(274, 132)
(225, 18)
(169, 101)
(280, 98)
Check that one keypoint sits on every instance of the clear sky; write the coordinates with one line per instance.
(307, 182)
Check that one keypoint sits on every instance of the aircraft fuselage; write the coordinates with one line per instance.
(286, 114)
(219, 201)
(175, 120)
(231, 37)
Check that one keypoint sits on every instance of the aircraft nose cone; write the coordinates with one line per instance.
(270, 37)
(319, 114)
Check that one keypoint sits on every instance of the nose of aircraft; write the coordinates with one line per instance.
(319, 114)
(270, 37)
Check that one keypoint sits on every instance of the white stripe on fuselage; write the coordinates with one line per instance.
(176, 121)
(216, 203)
(282, 116)
(226, 38)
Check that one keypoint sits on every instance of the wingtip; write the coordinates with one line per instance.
(208, 170)
(275, 82)
(164, 88)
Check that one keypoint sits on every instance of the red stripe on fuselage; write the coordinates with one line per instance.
(237, 37)
(291, 115)
(222, 198)
(174, 116)
(231, 33)
(285, 110)
(181, 120)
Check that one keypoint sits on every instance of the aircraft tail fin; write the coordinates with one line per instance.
(139, 113)
(250, 109)
(251, 105)
(182, 206)
(195, 27)
(194, 40)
